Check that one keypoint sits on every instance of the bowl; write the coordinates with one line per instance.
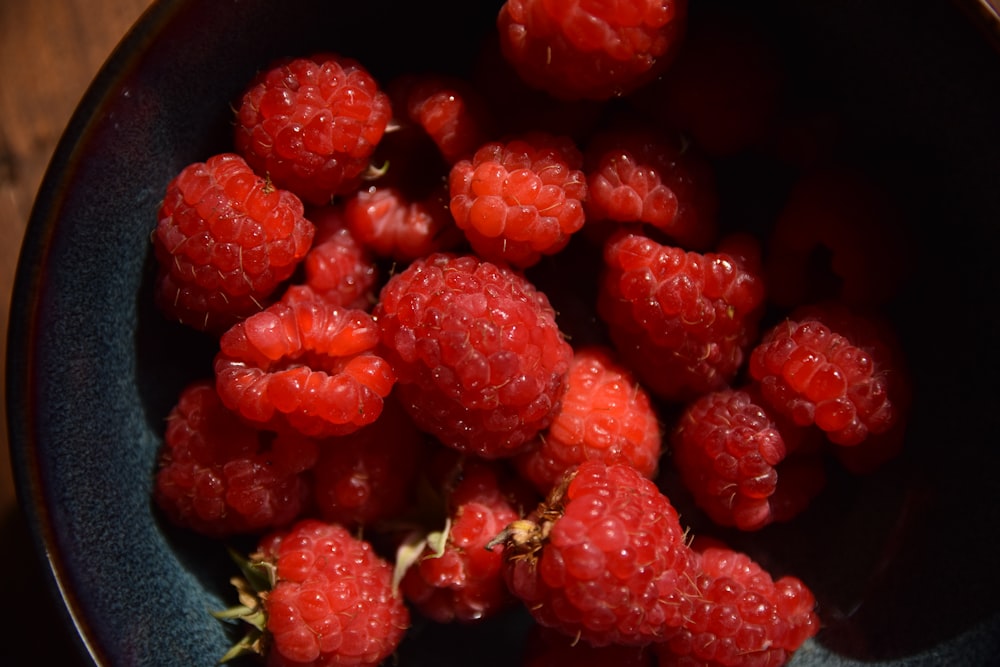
(902, 561)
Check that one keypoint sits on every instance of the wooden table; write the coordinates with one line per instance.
(50, 50)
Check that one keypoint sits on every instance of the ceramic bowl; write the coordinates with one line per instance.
(903, 562)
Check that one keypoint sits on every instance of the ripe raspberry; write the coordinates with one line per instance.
(304, 364)
(480, 360)
(311, 124)
(447, 108)
(218, 476)
(396, 226)
(332, 600)
(605, 415)
(603, 559)
(520, 199)
(454, 576)
(367, 477)
(730, 454)
(225, 240)
(829, 366)
(839, 236)
(681, 320)
(639, 174)
(545, 647)
(586, 50)
(338, 267)
(742, 616)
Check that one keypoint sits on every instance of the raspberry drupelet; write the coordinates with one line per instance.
(480, 360)
(520, 199)
(605, 414)
(219, 476)
(305, 365)
(585, 50)
(225, 241)
(683, 321)
(311, 124)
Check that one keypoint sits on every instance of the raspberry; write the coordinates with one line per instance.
(840, 370)
(640, 174)
(368, 477)
(332, 601)
(586, 50)
(480, 360)
(603, 559)
(604, 415)
(681, 320)
(338, 267)
(519, 199)
(448, 109)
(311, 124)
(545, 647)
(454, 577)
(742, 616)
(839, 236)
(730, 454)
(219, 476)
(394, 225)
(304, 364)
(225, 240)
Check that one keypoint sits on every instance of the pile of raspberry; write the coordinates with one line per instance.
(465, 325)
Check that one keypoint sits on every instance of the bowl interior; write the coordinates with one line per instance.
(900, 559)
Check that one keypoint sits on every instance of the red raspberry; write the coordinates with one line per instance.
(639, 174)
(312, 124)
(545, 647)
(339, 268)
(370, 476)
(332, 601)
(480, 360)
(454, 576)
(839, 236)
(520, 199)
(605, 414)
(587, 50)
(603, 559)
(681, 320)
(837, 369)
(731, 455)
(218, 476)
(742, 616)
(399, 227)
(225, 240)
(305, 364)
(448, 109)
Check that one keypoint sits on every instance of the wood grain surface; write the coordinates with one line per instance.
(50, 51)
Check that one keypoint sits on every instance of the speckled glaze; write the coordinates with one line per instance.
(907, 559)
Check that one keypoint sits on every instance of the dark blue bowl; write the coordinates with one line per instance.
(904, 562)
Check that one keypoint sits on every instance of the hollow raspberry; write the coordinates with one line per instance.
(519, 199)
(681, 320)
(838, 369)
(587, 50)
(311, 124)
(225, 240)
(605, 414)
(307, 365)
(731, 455)
(742, 615)
(369, 476)
(480, 360)
(454, 576)
(636, 173)
(219, 476)
(328, 599)
(603, 559)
